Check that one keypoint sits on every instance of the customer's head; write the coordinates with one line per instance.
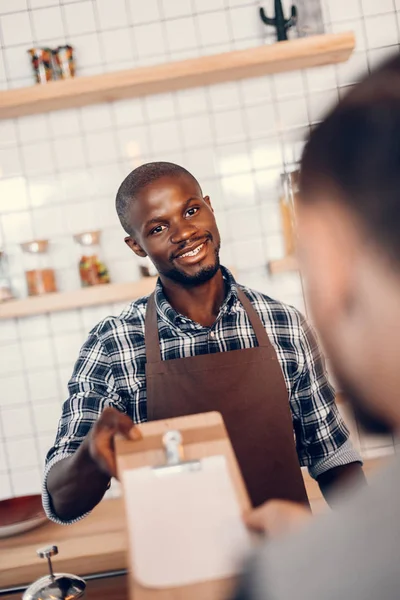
(349, 241)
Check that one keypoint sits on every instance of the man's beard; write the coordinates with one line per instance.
(364, 415)
(202, 276)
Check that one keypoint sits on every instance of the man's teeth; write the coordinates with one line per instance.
(193, 252)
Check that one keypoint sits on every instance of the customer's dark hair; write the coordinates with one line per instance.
(138, 179)
(353, 156)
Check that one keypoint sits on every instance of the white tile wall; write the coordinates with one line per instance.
(59, 171)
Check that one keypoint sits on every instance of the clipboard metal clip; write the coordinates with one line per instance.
(174, 456)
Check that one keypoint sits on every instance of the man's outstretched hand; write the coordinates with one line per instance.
(100, 439)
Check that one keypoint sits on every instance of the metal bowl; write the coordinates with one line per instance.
(21, 514)
(88, 238)
(35, 246)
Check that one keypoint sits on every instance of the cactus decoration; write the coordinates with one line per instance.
(281, 24)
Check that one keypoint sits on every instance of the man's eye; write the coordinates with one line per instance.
(157, 229)
(192, 211)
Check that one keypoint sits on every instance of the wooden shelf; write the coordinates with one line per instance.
(91, 296)
(283, 56)
(283, 265)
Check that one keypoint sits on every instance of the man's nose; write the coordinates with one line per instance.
(182, 232)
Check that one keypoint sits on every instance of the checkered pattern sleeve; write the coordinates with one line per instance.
(91, 388)
(322, 437)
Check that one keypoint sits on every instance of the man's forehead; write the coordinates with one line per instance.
(153, 199)
(170, 184)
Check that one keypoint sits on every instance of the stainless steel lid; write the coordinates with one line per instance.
(55, 586)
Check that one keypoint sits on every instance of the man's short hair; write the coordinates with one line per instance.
(353, 157)
(137, 180)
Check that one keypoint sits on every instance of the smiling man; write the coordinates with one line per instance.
(199, 343)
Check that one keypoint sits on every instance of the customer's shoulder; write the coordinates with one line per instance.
(130, 320)
(338, 547)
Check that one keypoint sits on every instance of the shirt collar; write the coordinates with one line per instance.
(169, 314)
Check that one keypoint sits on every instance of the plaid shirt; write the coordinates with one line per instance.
(110, 371)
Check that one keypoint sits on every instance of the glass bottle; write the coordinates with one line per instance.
(5, 282)
(92, 270)
(40, 277)
(290, 189)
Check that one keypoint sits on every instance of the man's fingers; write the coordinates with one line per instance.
(135, 434)
(113, 421)
(110, 422)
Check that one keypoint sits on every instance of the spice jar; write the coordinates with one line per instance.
(5, 282)
(290, 189)
(92, 270)
(42, 64)
(64, 62)
(40, 277)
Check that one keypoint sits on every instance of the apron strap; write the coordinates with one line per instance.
(151, 337)
(256, 323)
(152, 341)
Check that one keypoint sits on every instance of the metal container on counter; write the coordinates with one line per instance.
(92, 270)
(55, 586)
(40, 277)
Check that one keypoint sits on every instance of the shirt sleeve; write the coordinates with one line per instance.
(322, 438)
(91, 389)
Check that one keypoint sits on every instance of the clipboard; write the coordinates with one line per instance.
(176, 457)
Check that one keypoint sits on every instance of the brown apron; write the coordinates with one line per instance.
(247, 387)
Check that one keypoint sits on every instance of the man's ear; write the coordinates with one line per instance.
(134, 246)
(208, 201)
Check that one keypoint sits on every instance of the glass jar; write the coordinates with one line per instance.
(92, 270)
(309, 18)
(5, 281)
(289, 191)
(40, 277)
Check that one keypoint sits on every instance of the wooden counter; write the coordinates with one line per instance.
(93, 545)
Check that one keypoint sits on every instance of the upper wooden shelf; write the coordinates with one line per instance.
(241, 64)
(90, 296)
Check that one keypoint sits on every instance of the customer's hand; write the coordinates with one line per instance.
(277, 517)
(100, 439)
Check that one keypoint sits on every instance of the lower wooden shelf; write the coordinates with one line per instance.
(90, 296)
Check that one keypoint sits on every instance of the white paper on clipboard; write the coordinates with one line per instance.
(184, 526)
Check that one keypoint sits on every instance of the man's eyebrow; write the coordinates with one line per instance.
(192, 198)
(155, 220)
